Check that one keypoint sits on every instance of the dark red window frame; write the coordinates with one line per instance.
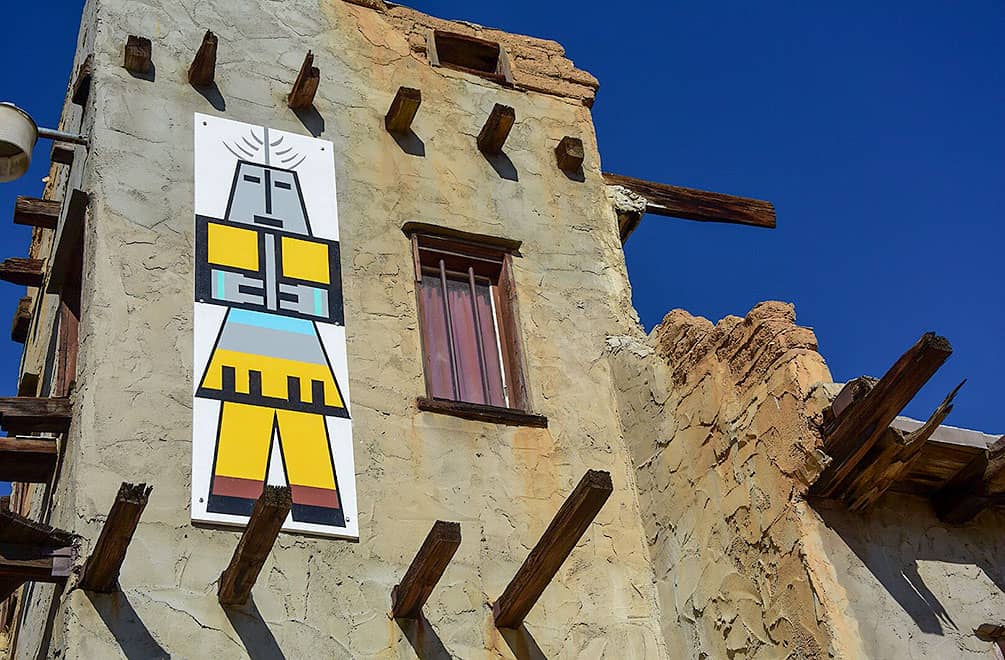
(467, 313)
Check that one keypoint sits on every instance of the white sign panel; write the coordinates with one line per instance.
(271, 398)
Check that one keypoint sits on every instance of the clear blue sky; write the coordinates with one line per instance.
(876, 128)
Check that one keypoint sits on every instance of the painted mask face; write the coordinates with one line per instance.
(268, 197)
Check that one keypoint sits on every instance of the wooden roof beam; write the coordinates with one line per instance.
(34, 212)
(692, 204)
(25, 272)
(496, 130)
(202, 72)
(556, 544)
(426, 569)
(138, 59)
(32, 551)
(306, 85)
(21, 324)
(101, 572)
(893, 457)
(861, 425)
(22, 414)
(971, 490)
(27, 460)
(255, 545)
(402, 112)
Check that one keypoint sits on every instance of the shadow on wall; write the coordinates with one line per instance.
(258, 639)
(424, 640)
(892, 543)
(125, 624)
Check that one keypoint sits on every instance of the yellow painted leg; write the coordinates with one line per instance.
(242, 453)
(309, 465)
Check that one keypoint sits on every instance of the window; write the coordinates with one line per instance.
(471, 350)
(470, 54)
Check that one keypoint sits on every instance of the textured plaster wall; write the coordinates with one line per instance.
(718, 421)
(916, 587)
(323, 598)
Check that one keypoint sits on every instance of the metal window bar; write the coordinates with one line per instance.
(478, 337)
(450, 330)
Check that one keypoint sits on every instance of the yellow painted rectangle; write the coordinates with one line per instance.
(306, 260)
(232, 246)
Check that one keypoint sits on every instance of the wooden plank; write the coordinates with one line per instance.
(27, 460)
(101, 572)
(253, 549)
(25, 272)
(861, 426)
(970, 491)
(62, 154)
(82, 83)
(202, 72)
(426, 569)
(402, 111)
(482, 413)
(138, 54)
(34, 212)
(24, 415)
(558, 541)
(692, 204)
(496, 130)
(36, 563)
(21, 325)
(570, 154)
(306, 85)
(68, 240)
(892, 458)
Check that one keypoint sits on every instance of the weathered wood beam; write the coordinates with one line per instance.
(62, 153)
(22, 321)
(43, 213)
(306, 85)
(402, 111)
(496, 130)
(27, 460)
(971, 490)
(138, 54)
(426, 569)
(570, 154)
(68, 240)
(35, 563)
(990, 632)
(692, 204)
(893, 457)
(202, 72)
(82, 83)
(861, 426)
(558, 541)
(253, 549)
(24, 415)
(101, 572)
(18, 270)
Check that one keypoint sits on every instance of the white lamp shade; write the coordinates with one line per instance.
(18, 135)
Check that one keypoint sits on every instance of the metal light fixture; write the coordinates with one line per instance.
(18, 135)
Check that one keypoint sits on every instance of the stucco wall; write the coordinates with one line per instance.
(718, 419)
(916, 587)
(322, 598)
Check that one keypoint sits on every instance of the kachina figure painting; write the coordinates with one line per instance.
(271, 400)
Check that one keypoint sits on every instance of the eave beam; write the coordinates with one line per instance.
(973, 488)
(27, 460)
(556, 544)
(426, 569)
(692, 204)
(101, 572)
(255, 545)
(34, 212)
(857, 430)
(23, 415)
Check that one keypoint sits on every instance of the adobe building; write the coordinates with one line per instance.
(514, 468)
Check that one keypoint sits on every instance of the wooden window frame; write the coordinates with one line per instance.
(475, 246)
(503, 73)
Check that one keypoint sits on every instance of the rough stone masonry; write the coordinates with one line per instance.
(707, 547)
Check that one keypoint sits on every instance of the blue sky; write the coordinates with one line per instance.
(876, 128)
